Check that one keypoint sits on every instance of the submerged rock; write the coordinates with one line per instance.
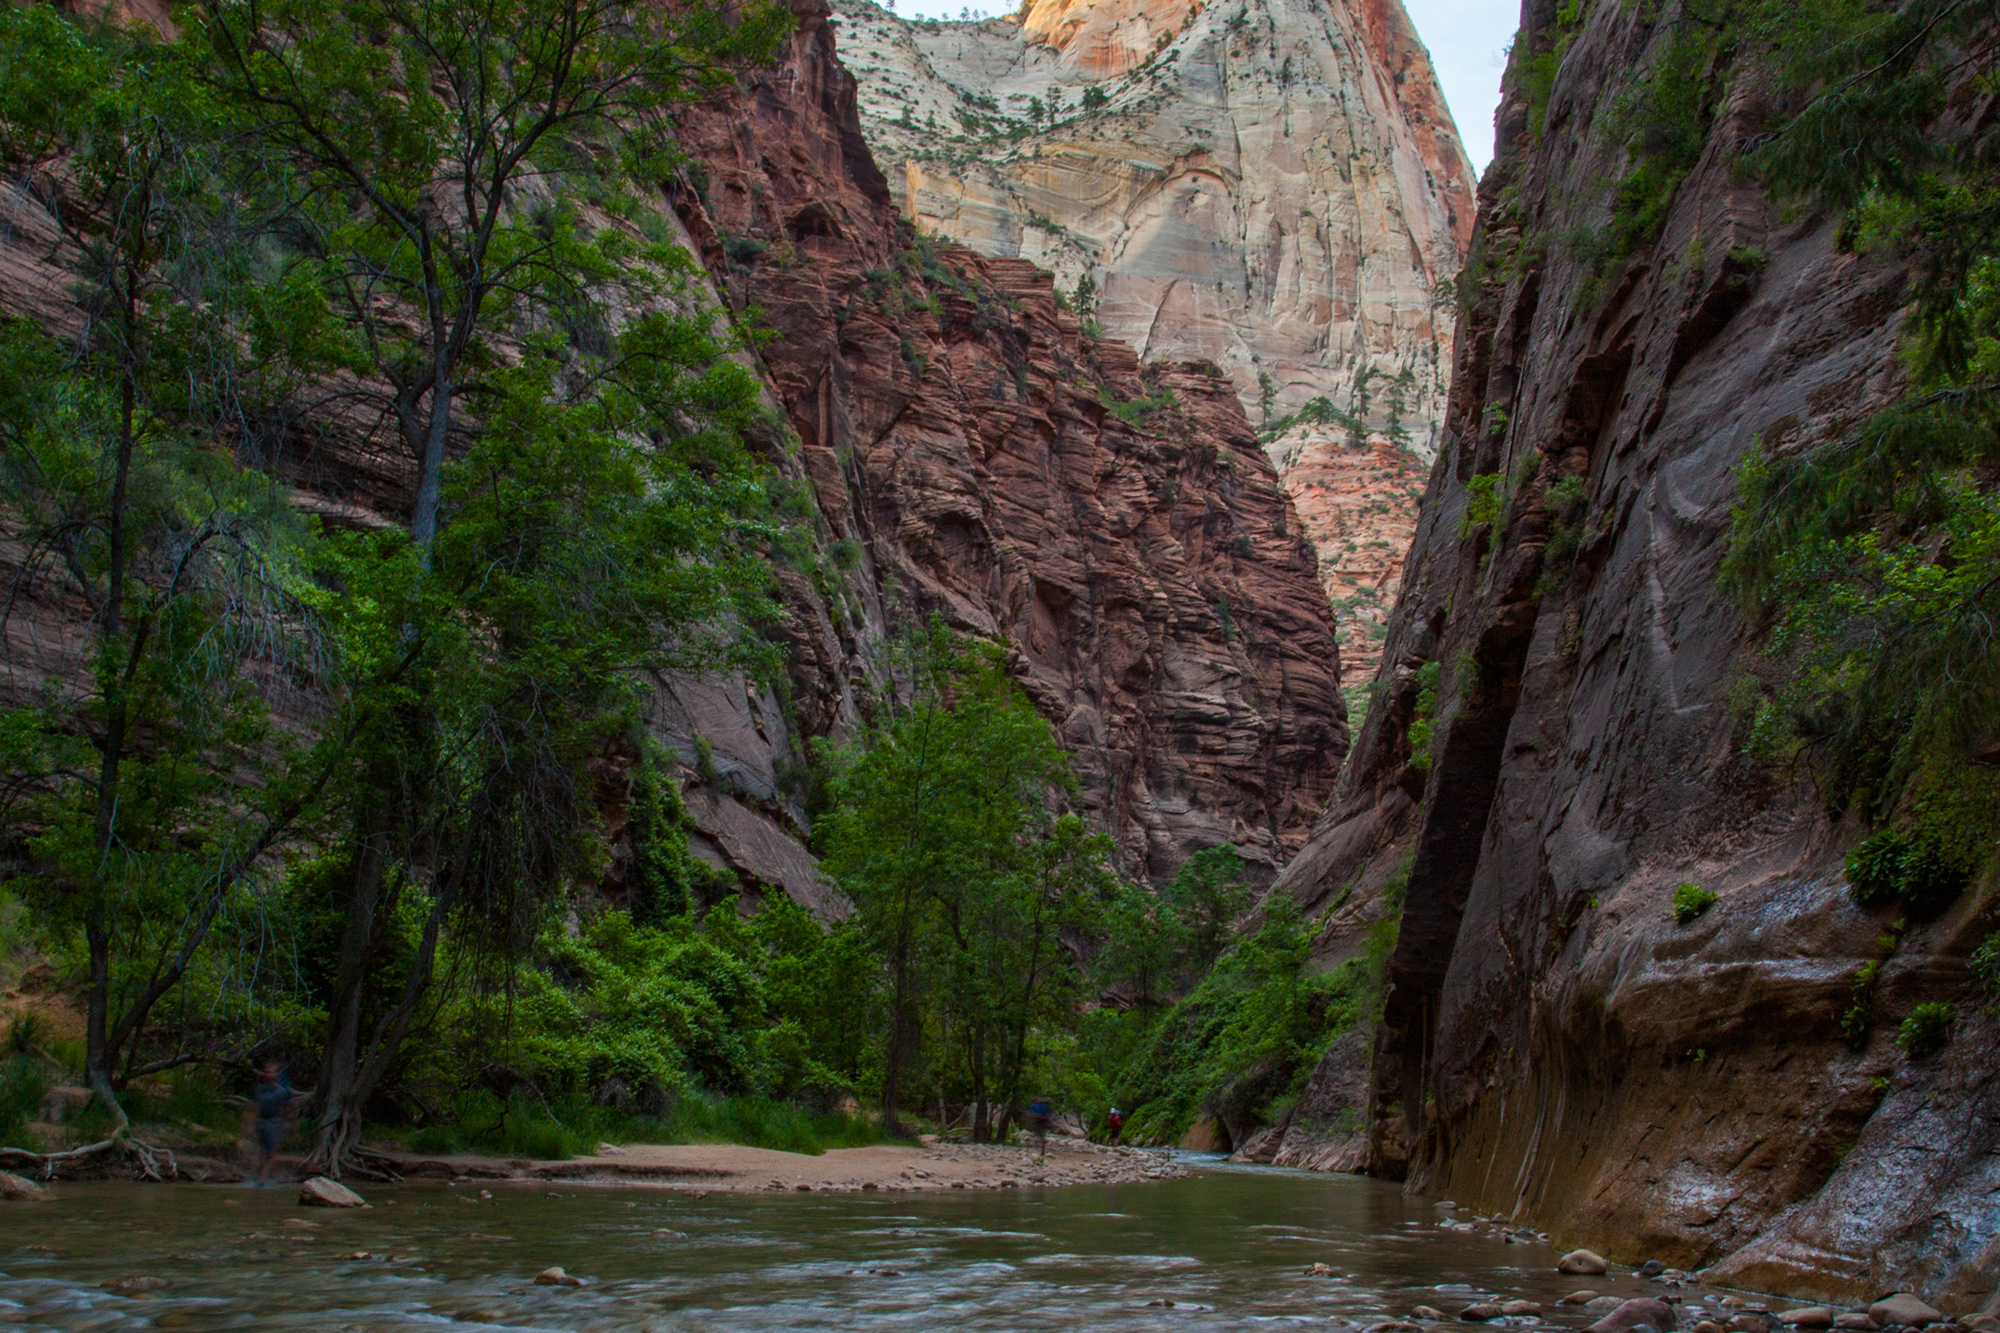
(1630, 1315)
(1428, 1312)
(134, 1286)
(320, 1192)
(20, 1187)
(556, 1277)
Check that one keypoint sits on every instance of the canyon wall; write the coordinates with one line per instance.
(952, 445)
(1272, 185)
(1557, 742)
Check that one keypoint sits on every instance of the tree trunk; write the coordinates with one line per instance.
(339, 1119)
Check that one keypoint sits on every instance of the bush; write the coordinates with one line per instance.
(1690, 901)
(1874, 869)
(1926, 1030)
(1917, 869)
(23, 1084)
(1986, 962)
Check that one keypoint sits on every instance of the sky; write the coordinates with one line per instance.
(1467, 40)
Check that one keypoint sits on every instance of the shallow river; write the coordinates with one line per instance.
(1228, 1246)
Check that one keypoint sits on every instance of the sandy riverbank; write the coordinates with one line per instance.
(725, 1166)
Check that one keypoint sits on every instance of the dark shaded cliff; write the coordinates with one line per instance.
(1555, 1045)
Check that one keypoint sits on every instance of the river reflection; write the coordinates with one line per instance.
(1229, 1247)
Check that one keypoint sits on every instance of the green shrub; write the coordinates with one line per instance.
(1690, 901)
(1421, 722)
(1874, 869)
(23, 1084)
(1986, 962)
(1482, 503)
(1927, 1029)
(1895, 864)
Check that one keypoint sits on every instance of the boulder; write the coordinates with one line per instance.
(62, 1101)
(1483, 1311)
(1582, 1261)
(20, 1187)
(1903, 1308)
(1632, 1314)
(319, 1192)
(1808, 1316)
(1749, 1323)
(1980, 1323)
(1520, 1308)
(556, 1277)
(1652, 1268)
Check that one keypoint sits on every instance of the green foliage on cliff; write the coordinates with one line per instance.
(1691, 901)
(1876, 557)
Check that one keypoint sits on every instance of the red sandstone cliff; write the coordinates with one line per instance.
(951, 439)
(959, 434)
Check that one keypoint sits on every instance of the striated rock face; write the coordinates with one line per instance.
(973, 455)
(1271, 185)
(958, 448)
(1554, 1045)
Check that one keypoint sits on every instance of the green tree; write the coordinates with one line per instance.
(578, 485)
(1208, 893)
(130, 764)
(931, 835)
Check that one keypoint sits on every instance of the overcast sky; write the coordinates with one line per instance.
(1466, 38)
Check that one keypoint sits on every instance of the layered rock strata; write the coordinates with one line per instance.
(958, 448)
(1272, 185)
(1556, 1046)
(972, 454)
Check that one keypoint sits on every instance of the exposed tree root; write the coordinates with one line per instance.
(152, 1161)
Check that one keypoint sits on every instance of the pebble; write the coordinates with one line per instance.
(1582, 1261)
(556, 1277)
(1903, 1308)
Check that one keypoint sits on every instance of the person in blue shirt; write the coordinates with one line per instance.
(273, 1098)
(1038, 1121)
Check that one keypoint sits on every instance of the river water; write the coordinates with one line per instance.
(1228, 1246)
